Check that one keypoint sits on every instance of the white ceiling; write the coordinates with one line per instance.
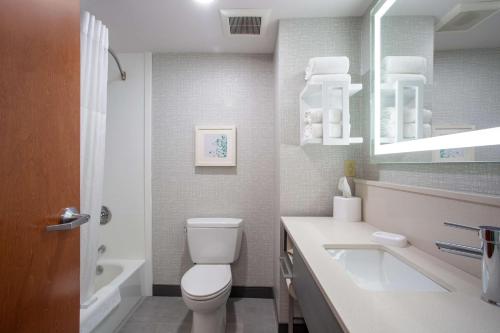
(485, 35)
(187, 26)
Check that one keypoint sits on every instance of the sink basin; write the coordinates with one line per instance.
(378, 270)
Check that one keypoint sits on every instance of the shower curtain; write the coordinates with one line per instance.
(93, 100)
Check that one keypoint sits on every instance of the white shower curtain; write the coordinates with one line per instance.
(93, 100)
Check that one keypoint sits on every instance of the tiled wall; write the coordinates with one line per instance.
(205, 89)
(308, 175)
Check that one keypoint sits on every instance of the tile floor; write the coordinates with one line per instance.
(170, 315)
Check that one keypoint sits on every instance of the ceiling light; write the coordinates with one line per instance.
(204, 2)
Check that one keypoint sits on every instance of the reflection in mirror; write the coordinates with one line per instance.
(437, 73)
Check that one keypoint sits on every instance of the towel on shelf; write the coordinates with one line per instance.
(308, 131)
(335, 116)
(320, 78)
(409, 115)
(404, 65)
(392, 78)
(410, 131)
(327, 65)
(335, 130)
(317, 131)
(316, 115)
(388, 130)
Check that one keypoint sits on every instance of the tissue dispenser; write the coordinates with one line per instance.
(347, 209)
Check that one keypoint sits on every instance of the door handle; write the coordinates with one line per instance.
(70, 219)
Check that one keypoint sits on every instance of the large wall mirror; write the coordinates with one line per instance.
(435, 81)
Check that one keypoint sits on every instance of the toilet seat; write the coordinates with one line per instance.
(205, 282)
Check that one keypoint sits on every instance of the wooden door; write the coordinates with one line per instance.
(39, 164)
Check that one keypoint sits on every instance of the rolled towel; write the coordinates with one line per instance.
(410, 131)
(308, 131)
(387, 129)
(330, 77)
(410, 116)
(317, 116)
(391, 78)
(327, 65)
(335, 116)
(317, 131)
(335, 130)
(404, 65)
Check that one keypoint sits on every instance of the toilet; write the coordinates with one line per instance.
(214, 243)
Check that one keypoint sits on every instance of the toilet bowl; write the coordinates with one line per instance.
(214, 243)
(205, 290)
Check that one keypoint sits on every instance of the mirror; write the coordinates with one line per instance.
(435, 82)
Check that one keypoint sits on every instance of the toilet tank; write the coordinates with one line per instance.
(214, 240)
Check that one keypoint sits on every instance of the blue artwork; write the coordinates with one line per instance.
(215, 145)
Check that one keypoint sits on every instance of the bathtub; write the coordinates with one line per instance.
(127, 275)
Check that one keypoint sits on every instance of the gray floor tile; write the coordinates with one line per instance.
(170, 315)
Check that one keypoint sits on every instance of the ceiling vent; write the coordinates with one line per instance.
(244, 22)
(466, 16)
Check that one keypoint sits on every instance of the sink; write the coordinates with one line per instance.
(378, 270)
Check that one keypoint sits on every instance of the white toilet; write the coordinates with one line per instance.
(214, 243)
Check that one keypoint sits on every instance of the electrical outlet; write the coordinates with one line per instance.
(350, 168)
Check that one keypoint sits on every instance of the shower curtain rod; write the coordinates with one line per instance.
(122, 72)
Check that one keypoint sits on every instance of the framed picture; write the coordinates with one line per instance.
(215, 146)
(456, 154)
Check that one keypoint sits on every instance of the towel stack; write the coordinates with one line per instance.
(389, 126)
(404, 67)
(321, 69)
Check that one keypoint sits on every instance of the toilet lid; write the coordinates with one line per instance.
(206, 280)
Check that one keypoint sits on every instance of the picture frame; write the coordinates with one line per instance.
(215, 146)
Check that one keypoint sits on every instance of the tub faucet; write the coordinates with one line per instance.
(489, 253)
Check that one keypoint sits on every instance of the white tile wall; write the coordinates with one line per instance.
(204, 89)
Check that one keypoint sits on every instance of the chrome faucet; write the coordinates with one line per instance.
(489, 253)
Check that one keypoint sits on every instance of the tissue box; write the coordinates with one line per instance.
(347, 209)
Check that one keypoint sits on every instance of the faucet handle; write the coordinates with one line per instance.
(461, 226)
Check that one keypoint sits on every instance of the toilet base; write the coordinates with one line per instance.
(210, 322)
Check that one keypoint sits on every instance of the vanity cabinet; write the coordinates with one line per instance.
(316, 311)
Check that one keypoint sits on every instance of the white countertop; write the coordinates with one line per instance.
(359, 310)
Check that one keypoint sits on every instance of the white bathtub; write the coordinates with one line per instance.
(127, 275)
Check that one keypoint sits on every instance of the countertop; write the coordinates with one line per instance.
(359, 310)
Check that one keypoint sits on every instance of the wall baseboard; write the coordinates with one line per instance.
(297, 328)
(174, 290)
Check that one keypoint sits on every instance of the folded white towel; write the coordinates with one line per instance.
(410, 131)
(327, 65)
(317, 131)
(335, 130)
(92, 316)
(388, 130)
(404, 65)
(392, 78)
(409, 115)
(335, 116)
(317, 115)
(330, 77)
(308, 131)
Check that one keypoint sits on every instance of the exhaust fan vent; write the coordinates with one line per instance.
(245, 25)
(466, 16)
(244, 22)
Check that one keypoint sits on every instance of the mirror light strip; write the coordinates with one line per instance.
(485, 137)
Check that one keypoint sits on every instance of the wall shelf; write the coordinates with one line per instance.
(324, 113)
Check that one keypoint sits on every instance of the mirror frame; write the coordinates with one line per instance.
(477, 138)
